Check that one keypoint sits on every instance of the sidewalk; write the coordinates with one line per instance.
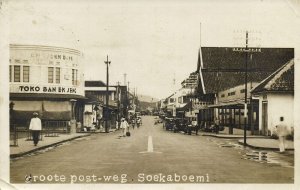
(26, 147)
(267, 143)
(254, 141)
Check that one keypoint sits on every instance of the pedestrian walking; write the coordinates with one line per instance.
(35, 127)
(282, 131)
(133, 123)
(138, 122)
(217, 125)
(124, 125)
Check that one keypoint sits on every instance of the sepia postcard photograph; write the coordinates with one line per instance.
(149, 94)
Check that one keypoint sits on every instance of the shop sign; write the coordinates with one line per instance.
(46, 89)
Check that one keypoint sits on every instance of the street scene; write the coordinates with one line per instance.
(151, 155)
(152, 92)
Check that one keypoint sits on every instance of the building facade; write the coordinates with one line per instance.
(117, 101)
(276, 99)
(47, 80)
(221, 72)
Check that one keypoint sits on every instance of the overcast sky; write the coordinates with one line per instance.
(150, 41)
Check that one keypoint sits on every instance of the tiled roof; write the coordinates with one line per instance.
(280, 80)
(224, 68)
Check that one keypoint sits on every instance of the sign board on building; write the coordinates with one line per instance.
(42, 89)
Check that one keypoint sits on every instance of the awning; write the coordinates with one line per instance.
(228, 105)
(111, 107)
(44, 115)
(40, 96)
(186, 107)
(92, 100)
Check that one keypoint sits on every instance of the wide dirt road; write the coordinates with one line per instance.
(150, 155)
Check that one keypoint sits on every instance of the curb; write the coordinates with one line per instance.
(263, 148)
(44, 147)
(230, 137)
(222, 137)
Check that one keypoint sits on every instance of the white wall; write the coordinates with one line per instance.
(280, 104)
(39, 58)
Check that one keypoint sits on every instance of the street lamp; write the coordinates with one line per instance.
(107, 95)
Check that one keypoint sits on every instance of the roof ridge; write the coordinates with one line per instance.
(279, 73)
(267, 82)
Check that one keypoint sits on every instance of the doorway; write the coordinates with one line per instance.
(264, 129)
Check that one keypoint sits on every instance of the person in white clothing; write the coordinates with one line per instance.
(35, 127)
(282, 131)
(124, 125)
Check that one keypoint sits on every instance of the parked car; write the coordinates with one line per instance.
(169, 123)
(211, 127)
(181, 125)
(192, 125)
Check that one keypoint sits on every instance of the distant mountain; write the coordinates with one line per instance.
(147, 105)
(145, 98)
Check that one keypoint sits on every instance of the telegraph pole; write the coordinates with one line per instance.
(246, 50)
(128, 96)
(125, 79)
(118, 99)
(246, 81)
(107, 95)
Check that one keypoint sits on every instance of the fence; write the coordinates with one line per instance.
(54, 128)
(13, 135)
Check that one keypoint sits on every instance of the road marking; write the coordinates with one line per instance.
(150, 146)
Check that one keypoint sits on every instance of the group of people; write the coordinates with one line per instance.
(281, 129)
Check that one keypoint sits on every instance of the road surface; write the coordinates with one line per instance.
(152, 155)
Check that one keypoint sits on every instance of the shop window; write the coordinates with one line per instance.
(25, 73)
(17, 73)
(50, 74)
(57, 75)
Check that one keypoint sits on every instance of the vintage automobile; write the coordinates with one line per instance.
(192, 125)
(169, 123)
(211, 127)
(181, 125)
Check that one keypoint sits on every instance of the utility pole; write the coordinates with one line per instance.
(125, 79)
(128, 95)
(246, 50)
(174, 98)
(118, 99)
(246, 81)
(107, 95)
